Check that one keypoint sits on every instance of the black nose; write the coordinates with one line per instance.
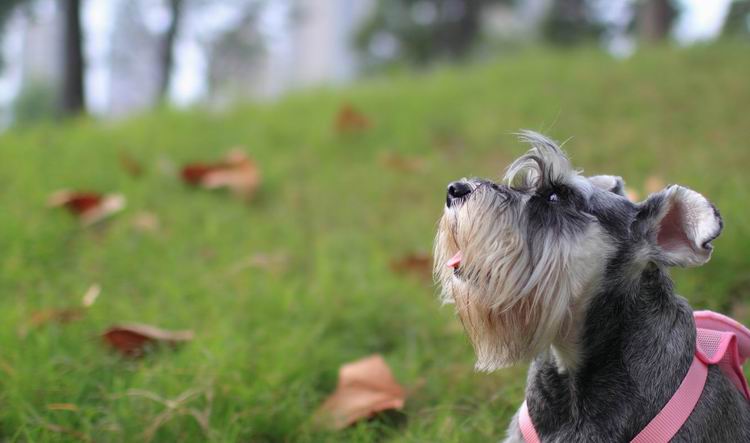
(457, 190)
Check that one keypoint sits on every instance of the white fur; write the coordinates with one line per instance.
(515, 301)
(685, 225)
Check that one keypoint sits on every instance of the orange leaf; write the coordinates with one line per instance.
(632, 195)
(89, 207)
(132, 166)
(62, 407)
(350, 119)
(145, 221)
(365, 388)
(62, 316)
(653, 184)
(398, 162)
(237, 172)
(132, 339)
(42, 317)
(416, 263)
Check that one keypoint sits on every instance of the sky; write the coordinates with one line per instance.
(701, 20)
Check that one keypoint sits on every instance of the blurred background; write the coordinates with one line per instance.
(113, 58)
(207, 207)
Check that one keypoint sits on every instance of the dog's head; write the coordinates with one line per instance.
(521, 258)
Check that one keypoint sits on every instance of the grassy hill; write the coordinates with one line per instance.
(341, 208)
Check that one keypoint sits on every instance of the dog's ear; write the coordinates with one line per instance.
(611, 183)
(679, 225)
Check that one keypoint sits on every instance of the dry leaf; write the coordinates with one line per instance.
(132, 166)
(350, 120)
(61, 316)
(398, 162)
(275, 263)
(91, 294)
(89, 207)
(146, 221)
(365, 388)
(67, 431)
(62, 407)
(42, 317)
(632, 195)
(237, 172)
(132, 339)
(653, 184)
(416, 263)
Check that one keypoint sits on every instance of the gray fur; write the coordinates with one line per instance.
(628, 339)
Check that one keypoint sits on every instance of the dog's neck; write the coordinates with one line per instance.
(628, 334)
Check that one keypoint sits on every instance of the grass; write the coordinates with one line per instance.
(268, 345)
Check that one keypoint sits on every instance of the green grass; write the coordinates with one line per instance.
(268, 345)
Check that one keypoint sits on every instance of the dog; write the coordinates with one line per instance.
(562, 270)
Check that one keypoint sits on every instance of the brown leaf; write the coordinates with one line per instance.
(415, 263)
(61, 316)
(132, 339)
(132, 166)
(45, 316)
(145, 221)
(275, 263)
(653, 184)
(365, 388)
(632, 195)
(62, 407)
(400, 163)
(91, 294)
(349, 120)
(89, 207)
(237, 172)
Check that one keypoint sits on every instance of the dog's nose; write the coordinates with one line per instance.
(457, 190)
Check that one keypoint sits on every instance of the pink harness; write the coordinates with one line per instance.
(720, 341)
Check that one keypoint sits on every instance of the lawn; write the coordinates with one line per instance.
(340, 207)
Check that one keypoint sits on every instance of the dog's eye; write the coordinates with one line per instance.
(552, 197)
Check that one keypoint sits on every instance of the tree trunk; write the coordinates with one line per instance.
(73, 98)
(166, 50)
(655, 19)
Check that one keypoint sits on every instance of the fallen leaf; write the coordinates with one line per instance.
(653, 184)
(349, 120)
(365, 388)
(275, 263)
(61, 316)
(416, 263)
(145, 221)
(91, 294)
(237, 172)
(632, 195)
(67, 431)
(132, 166)
(398, 162)
(42, 317)
(132, 339)
(62, 407)
(89, 207)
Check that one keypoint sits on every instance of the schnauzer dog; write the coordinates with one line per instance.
(562, 270)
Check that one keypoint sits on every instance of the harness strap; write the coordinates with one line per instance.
(677, 410)
(527, 427)
(720, 341)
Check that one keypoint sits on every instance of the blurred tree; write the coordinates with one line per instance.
(235, 55)
(738, 19)
(166, 49)
(35, 103)
(571, 22)
(6, 9)
(420, 31)
(72, 98)
(654, 19)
